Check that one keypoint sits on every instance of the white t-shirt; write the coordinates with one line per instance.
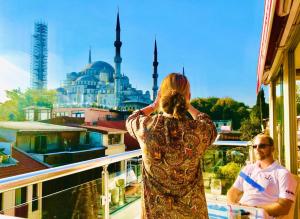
(276, 180)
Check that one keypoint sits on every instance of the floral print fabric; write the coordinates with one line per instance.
(172, 176)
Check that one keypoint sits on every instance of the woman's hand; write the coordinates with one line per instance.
(152, 107)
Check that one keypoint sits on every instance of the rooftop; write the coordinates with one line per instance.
(231, 143)
(104, 130)
(28, 126)
(37, 107)
(26, 164)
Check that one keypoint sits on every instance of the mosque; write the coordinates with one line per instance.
(100, 84)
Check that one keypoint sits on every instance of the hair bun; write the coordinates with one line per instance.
(174, 103)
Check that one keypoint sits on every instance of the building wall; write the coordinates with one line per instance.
(82, 137)
(26, 142)
(96, 138)
(115, 148)
(94, 115)
(9, 202)
(53, 142)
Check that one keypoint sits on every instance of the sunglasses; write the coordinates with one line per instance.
(262, 146)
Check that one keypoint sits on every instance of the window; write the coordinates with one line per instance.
(35, 203)
(20, 196)
(114, 139)
(280, 117)
(40, 144)
(21, 207)
(1, 203)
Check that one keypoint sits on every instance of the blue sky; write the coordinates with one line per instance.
(217, 41)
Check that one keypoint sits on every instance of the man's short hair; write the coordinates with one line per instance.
(265, 136)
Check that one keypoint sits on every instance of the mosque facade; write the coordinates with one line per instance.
(100, 84)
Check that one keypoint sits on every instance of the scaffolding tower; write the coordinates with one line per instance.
(39, 56)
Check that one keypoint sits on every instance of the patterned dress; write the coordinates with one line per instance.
(172, 176)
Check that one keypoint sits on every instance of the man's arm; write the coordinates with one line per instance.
(234, 195)
(281, 207)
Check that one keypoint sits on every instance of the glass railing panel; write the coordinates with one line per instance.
(91, 189)
(125, 184)
(73, 196)
(221, 165)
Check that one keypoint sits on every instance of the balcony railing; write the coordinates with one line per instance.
(95, 188)
(104, 187)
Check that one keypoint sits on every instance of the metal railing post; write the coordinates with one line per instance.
(105, 192)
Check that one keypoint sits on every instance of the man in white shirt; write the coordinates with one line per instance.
(264, 184)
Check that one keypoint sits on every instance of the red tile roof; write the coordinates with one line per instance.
(113, 124)
(25, 165)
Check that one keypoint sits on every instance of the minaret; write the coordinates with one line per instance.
(183, 71)
(90, 56)
(155, 75)
(118, 60)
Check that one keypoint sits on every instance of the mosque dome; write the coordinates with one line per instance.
(99, 66)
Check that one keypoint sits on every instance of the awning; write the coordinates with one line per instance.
(282, 8)
(264, 42)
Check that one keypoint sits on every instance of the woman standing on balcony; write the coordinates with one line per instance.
(172, 145)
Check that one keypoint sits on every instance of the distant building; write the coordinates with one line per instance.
(39, 56)
(223, 125)
(90, 115)
(111, 138)
(27, 198)
(36, 113)
(100, 84)
(51, 144)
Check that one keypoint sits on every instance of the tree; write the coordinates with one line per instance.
(254, 125)
(223, 109)
(13, 108)
(204, 104)
(250, 128)
(261, 108)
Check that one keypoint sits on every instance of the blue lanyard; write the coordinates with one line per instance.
(252, 182)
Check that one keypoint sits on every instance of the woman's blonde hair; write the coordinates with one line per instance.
(173, 90)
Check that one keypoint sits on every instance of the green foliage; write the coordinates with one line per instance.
(261, 109)
(217, 166)
(250, 128)
(253, 125)
(223, 109)
(298, 98)
(13, 108)
(229, 171)
(238, 155)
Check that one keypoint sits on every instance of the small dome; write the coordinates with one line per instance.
(61, 90)
(72, 76)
